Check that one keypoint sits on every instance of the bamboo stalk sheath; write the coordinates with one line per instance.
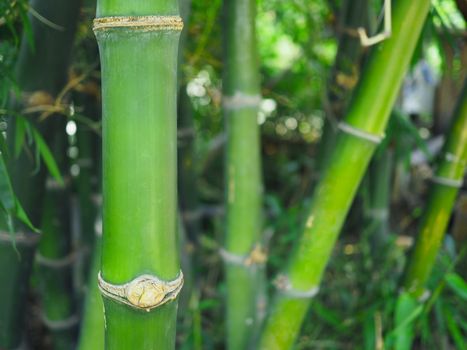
(243, 172)
(138, 43)
(369, 111)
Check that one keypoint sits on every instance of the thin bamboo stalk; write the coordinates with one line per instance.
(55, 258)
(138, 43)
(446, 183)
(369, 111)
(40, 74)
(243, 174)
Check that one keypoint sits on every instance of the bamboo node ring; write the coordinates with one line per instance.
(447, 181)
(60, 325)
(284, 286)
(240, 100)
(359, 133)
(257, 256)
(147, 23)
(145, 292)
(453, 158)
(57, 263)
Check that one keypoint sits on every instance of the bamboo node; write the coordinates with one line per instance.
(241, 100)
(60, 325)
(454, 159)
(257, 256)
(20, 238)
(284, 286)
(359, 133)
(57, 263)
(444, 181)
(146, 23)
(145, 292)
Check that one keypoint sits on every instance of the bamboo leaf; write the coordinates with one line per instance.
(457, 284)
(21, 215)
(454, 331)
(407, 311)
(47, 156)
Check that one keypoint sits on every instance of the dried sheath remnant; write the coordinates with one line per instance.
(149, 23)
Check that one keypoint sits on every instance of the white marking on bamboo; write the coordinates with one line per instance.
(444, 181)
(359, 133)
(241, 100)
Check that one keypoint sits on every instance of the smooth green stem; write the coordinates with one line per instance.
(369, 110)
(377, 208)
(139, 88)
(55, 282)
(92, 327)
(440, 204)
(244, 184)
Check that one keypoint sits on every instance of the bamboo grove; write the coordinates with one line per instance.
(233, 174)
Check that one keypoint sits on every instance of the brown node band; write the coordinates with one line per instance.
(147, 23)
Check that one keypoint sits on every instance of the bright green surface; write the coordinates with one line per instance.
(243, 171)
(107, 8)
(139, 154)
(139, 84)
(92, 326)
(369, 110)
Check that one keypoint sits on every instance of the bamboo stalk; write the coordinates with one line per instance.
(443, 191)
(92, 327)
(446, 183)
(40, 75)
(369, 111)
(55, 257)
(138, 44)
(243, 174)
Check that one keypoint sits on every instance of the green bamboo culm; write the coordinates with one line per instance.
(55, 258)
(92, 326)
(242, 251)
(40, 74)
(446, 183)
(443, 191)
(138, 45)
(367, 117)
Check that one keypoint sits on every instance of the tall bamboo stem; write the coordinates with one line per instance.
(244, 193)
(369, 111)
(138, 43)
